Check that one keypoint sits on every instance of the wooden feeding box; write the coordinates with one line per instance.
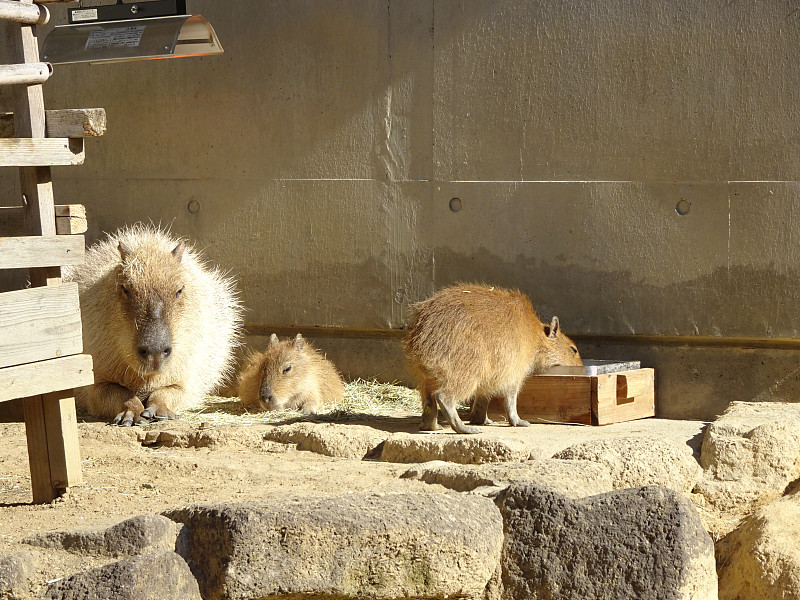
(599, 393)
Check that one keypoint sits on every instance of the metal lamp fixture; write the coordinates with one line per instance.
(121, 32)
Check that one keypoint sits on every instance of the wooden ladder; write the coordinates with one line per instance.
(41, 344)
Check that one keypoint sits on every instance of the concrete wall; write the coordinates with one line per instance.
(631, 165)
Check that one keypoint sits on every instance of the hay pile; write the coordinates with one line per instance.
(360, 398)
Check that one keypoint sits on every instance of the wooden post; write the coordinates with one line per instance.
(50, 422)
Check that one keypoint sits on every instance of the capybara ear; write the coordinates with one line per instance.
(124, 251)
(177, 251)
(273, 339)
(299, 342)
(553, 327)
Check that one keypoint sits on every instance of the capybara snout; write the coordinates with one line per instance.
(151, 293)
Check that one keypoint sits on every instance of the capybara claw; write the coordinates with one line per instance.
(124, 419)
(521, 423)
(147, 414)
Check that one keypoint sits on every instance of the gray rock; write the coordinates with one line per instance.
(750, 455)
(143, 533)
(464, 449)
(641, 543)
(572, 478)
(329, 439)
(15, 573)
(349, 546)
(640, 461)
(761, 558)
(156, 576)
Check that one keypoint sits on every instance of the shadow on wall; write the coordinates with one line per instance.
(728, 302)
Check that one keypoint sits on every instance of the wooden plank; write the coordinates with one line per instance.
(70, 220)
(39, 324)
(44, 377)
(65, 123)
(26, 74)
(613, 402)
(38, 455)
(21, 12)
(32, 251)
(552, 398)
(61, 424)
(34, 152)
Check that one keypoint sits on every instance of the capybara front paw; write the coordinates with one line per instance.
(520, 423)
(128, 418)
(155, 412)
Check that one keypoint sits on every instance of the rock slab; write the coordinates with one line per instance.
(463, 449)
(350, 546)
(636, 462)
(142, 533)
(572, 478)
(328, 439)
(154, 576)
(761, 558)
(638, 544)
(15, 573)
(750, 455)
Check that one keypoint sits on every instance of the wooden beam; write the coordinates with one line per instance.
(46, 376)
(26, 74)
(34, 251)
(66, 123)
(33, 152)
(53, 451)
(70, 220)
(21, 12)
(39, 324)
(29, 122)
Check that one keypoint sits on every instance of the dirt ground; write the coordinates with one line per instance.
(123, 477)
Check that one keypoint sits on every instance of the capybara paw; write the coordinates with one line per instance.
(479, 421)
(520, 423)
(127, 418)
(429, 427)
(155, 412)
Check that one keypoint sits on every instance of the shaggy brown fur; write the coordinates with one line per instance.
(161, 326)
(478, 342)
(289, 374)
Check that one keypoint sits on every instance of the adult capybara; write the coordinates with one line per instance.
(476, 342)
(160, 324)
(290, 374)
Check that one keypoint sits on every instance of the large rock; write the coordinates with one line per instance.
(329, 439)
(15, 573)
(143, 533)
(145, 577)
(761, 558)
(637, 461)
(572, 478)
(639, 544)
(464, 449)
(750, 454)
(349, 546)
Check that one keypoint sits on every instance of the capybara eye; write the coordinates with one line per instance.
(178, 293)
(574, 349)
(286, 369)
(125, 290)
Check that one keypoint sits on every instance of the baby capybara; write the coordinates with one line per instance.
(477, 342)
(160, 324)
(290, 374)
